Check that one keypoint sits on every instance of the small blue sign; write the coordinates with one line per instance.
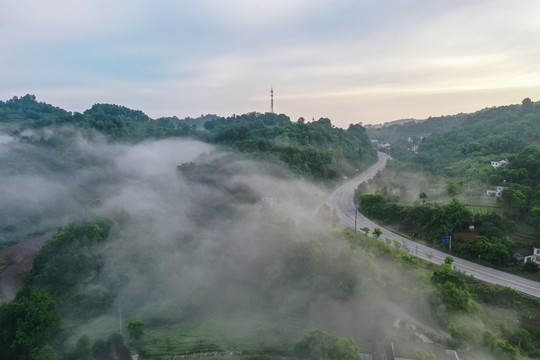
(446, 238)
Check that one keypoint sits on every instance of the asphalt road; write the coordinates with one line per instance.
(342, 201)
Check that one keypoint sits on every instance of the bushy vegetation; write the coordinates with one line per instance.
(429, 221)
(478, 316)
(117, 122)
(69, 268)
(450, 296)
(319, 345)
(28, 326)
(317, 150)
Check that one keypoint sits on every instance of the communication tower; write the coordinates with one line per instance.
(272, 100)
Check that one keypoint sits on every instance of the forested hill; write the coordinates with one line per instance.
(398, 131)
(490, 134)
(462, 157)
(490, 131)
(317, 150)
(116, 122)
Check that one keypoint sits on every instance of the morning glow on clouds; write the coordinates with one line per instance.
(349, 60)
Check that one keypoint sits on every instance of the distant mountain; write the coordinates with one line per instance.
(496, 133)
(390, 123)
(400, 130)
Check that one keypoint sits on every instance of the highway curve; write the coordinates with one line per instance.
(342, 202)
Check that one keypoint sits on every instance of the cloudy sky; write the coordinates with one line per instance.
(349, 60)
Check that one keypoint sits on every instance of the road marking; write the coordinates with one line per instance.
(500, 277)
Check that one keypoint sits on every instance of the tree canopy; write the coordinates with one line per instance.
(27, 325)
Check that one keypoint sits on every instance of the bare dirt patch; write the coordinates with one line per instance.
(467, 237)
(17, 262)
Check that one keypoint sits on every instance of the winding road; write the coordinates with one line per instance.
(342, 201)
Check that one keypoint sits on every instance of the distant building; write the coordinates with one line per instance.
(497, 190)
(498, 163)
(535, 257)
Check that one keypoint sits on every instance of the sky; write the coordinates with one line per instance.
(351, 61)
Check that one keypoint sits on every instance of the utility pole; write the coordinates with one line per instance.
(272, 100)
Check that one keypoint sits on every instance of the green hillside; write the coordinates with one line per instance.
(398, 133)
(317, 150)
(455, 163)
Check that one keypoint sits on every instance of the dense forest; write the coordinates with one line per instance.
(318, 150)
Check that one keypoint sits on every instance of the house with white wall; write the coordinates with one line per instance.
(495, 191)
(497, 163)
(534, 257)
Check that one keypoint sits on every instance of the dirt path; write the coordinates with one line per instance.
(19, 259)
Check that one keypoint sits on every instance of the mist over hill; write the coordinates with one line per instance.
(317, 150)
(214, 234)
(188, 230)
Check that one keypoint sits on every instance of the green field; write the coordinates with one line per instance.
(240, 328)
(483, 208)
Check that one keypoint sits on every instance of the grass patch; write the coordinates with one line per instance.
(524, 236)
(245, 328)
(480, 208)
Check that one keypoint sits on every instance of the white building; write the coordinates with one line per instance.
(498, 163)
(534, 257)
(495, 191)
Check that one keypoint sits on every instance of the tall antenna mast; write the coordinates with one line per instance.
(272, 100)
